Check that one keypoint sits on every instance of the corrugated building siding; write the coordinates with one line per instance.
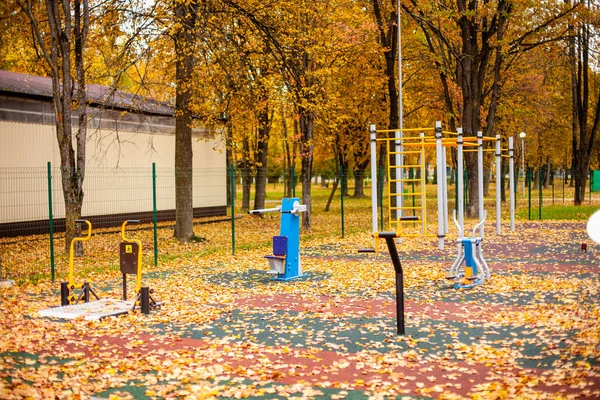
(121, 148)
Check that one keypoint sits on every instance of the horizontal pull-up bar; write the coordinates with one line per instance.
(404, 138)
(405, 130)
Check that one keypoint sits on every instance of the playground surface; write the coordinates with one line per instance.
(225, 330)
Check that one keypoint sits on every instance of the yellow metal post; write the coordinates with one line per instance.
(72, 284)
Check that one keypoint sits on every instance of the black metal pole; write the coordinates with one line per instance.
(64, 293)
(145, 300)
(389, 239)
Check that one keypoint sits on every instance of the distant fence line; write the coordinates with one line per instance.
(114, 194)
(110, 196)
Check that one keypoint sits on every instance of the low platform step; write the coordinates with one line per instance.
(92, 311)
(365, 251)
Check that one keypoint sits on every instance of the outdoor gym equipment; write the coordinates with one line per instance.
(406, 145)
(67, 295)
(285, 260)
(131, 264)
(476, 269)
(377, 235)
(389, 239)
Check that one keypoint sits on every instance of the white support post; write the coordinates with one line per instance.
(445, 187)
(423, 184)
(459, 181)
(439, 158)
(400, 133)
(399, 160)
(480, 179)
(373, 138)
(498, 183)
(511, 180)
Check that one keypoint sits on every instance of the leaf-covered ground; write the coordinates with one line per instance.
(226, 331)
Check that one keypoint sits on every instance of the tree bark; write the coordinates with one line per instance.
(262, 151)
(361, 161)
(584, 138)
(287, 156)
(388, 38)
(359, 178)
(186, 15)
(246, 174)
(306, 154)
(548, 172)
(333, 189)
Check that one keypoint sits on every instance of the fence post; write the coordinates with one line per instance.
(232, 180)
(541, 188)
(154, 214)
(529, 179)
(380, 198)
(51, 220)
(342, 195)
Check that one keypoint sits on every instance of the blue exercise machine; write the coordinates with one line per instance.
(476, 270)
(285, 261)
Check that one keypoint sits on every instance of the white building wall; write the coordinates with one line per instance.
(118, 172)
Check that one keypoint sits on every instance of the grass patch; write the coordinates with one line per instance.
(557, 212)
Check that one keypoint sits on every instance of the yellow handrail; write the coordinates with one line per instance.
(72, 284)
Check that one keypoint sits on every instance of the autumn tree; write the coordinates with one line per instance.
(18, 51)
(475, 42)
(185, 31)
(585, 122)
(60, 38)
(299, 36)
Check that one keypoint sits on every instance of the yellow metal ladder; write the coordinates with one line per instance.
(412, 201)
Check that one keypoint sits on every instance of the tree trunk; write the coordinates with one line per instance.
(287, 156)
(262, 151)
(336, 177)
(345, 167)
(388, 38)
(359, 178)
(487, 176)
(580, 177)
(185, 16)
(246, 174)
(584, 138)
(330, 199)
(548, 171)
(306, 153)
